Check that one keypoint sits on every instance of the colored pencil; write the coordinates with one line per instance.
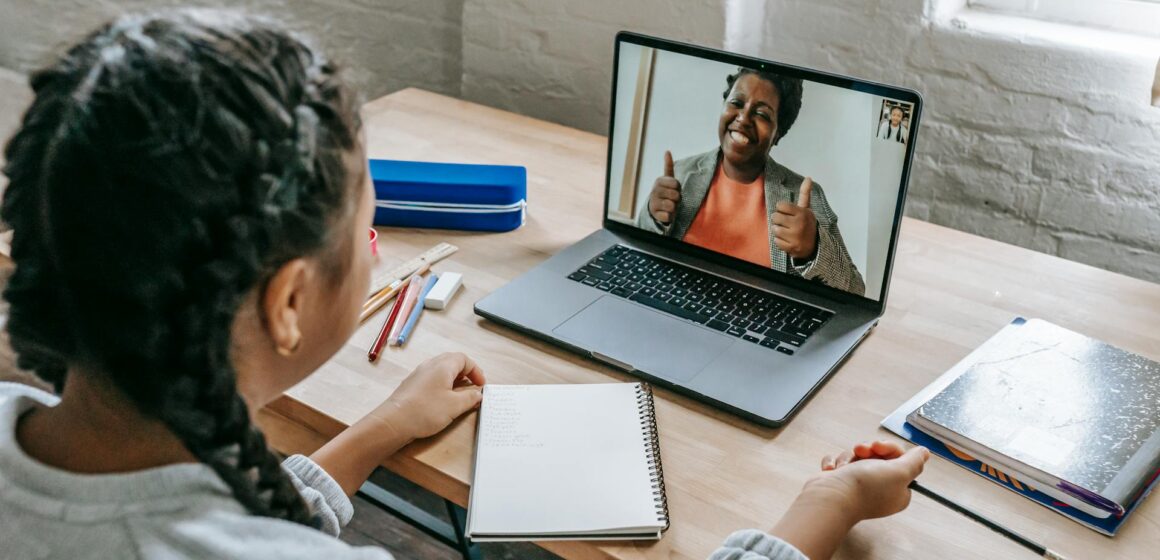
(413, 288)
(380, 299)
(380, 340)
(416, 310)
(388, 289)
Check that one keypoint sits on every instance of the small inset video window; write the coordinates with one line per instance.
(894, 121)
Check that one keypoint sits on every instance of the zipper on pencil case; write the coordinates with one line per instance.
(452, 207)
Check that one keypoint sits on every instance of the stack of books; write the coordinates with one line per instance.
(1063, 419)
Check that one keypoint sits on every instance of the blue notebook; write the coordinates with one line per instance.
(1036, 403)
(449, 195)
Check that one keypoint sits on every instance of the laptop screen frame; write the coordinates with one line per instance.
(733, 59)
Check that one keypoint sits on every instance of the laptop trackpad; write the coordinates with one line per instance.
(647, 340)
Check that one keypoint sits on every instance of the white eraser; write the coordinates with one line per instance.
(443, 290)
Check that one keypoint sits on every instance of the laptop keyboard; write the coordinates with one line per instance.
(735, 309)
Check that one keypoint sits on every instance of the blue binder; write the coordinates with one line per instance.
(449, 195)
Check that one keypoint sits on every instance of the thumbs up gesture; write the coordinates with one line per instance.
(796, 226)
(665, 195)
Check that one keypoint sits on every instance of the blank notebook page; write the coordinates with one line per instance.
(561, 459)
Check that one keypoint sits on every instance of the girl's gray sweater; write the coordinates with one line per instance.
(186, 511)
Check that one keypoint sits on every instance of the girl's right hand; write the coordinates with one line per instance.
(871, 479)
(436, 393)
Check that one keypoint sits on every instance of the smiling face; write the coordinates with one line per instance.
(895, 117)
(748, 125)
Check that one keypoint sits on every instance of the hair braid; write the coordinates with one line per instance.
(206, 411)
(169, 164)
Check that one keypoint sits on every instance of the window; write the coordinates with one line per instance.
(1134, 16)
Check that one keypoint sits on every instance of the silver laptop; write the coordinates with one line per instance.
(751, 215)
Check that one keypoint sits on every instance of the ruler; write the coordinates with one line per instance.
(428, 257)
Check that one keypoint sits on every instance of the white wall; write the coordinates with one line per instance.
(552, 59)
(14, 97)
(387, 44)
(1034, 134)
(888, 158)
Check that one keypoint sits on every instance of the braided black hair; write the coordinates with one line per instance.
(789, 95)
(168, 166)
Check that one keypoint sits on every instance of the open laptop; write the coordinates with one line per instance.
(713, 275)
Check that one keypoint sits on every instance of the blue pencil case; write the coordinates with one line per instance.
(449, 195)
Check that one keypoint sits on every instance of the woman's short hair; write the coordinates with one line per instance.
(789, 95)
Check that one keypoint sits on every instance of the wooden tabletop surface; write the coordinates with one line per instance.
(950, 292)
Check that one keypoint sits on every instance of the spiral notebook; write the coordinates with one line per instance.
(567, 462)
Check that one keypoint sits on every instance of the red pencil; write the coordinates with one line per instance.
(385, 331)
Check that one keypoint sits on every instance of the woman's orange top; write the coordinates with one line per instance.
(733, 219)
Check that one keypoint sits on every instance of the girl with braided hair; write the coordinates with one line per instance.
(189, 197)
(190, 200)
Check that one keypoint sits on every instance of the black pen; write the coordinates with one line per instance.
(1037, 548)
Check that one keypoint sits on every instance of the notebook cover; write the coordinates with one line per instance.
(510, 426)
(897, 423)
(1061, 403)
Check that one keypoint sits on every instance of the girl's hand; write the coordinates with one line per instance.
(866, 482)
(436, 393)
(871, 479)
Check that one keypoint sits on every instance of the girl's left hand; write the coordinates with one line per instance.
(436, 393)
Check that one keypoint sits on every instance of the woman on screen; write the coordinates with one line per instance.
(718, 199)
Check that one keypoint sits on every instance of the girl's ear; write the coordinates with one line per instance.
(282, 304)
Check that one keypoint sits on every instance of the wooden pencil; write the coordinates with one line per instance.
(377, 302)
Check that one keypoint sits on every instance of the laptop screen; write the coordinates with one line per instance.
(796, 175)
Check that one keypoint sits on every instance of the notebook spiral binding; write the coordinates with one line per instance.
(648, 423)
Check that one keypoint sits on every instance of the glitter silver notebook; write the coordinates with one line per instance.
(1060, 408)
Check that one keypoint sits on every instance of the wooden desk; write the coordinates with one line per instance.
(951, 291)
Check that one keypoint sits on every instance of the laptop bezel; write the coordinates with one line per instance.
(846, 82)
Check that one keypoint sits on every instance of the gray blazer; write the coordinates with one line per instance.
(832, 265)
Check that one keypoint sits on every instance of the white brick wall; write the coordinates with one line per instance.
(552, 59)
(388, 44)
(1048, 145)
(1031, 142)
(14, 97)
